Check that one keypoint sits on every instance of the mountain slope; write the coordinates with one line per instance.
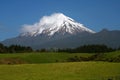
(109, 38)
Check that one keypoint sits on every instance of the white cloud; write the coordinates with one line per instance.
(29, 28)
(41, 25)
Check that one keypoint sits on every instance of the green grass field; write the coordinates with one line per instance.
(42, 57)
(35, 58)
(43, 66)
(61, 71)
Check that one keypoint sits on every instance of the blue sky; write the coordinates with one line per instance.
(94, 14)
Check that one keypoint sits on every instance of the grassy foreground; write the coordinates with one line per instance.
(61, 71)
(32, 67)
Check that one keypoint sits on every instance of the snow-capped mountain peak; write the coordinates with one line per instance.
(56, 23)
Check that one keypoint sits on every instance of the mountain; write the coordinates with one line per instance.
(60, 31)
(57, 23)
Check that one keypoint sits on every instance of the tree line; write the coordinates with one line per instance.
(89, 49)
(81, 49)
(14, 49)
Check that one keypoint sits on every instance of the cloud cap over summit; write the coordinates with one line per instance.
(53, 23)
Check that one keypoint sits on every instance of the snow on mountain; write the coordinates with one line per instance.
(55, 23)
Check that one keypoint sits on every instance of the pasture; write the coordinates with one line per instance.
(61, 71)
(54, 66)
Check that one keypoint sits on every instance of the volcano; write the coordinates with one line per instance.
(60, 31)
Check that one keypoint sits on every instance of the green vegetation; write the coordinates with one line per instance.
(82, 49)
(34, 58)
(31, 66)
(107, 57)
(47, 57)
(14, 49)
(89, 49)
(62, 71)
